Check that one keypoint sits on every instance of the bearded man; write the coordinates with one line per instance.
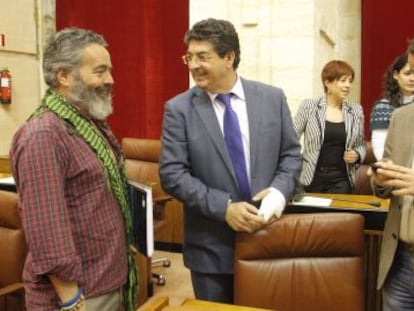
(70, 177)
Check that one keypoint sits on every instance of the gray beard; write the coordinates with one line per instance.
(96, 102)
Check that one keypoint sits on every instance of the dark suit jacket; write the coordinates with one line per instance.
(196, 169)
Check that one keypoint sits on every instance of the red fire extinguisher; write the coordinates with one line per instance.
(5, 87)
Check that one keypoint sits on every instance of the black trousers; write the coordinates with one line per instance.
(329, 180)
(213, 287)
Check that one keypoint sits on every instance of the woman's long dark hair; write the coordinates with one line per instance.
(391, 89)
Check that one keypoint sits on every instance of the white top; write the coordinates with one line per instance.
(379, 136)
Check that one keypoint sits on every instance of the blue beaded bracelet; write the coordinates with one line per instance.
(73, 301)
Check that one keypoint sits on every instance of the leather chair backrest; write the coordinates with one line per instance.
(301, 262)
(362, 180)
(141, 157)
(12, 241)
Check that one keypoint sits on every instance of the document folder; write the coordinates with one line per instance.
(140, 197)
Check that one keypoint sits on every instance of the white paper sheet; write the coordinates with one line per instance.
(313, 201)
(7, 181)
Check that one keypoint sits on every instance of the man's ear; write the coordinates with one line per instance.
(230, 56)
(63, 77)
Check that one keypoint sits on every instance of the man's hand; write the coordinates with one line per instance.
(272, 203)
(243, 217)
(378, 178)
(399, 177)
(66, 290)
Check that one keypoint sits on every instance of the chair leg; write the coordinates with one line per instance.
(160, 278)
(164, 262)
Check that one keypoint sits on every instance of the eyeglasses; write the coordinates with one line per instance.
(198, 58)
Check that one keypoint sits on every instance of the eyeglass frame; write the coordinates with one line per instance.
(199, 58)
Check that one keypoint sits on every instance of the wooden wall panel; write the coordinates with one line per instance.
(173, 232)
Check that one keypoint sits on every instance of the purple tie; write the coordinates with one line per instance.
(232, 137)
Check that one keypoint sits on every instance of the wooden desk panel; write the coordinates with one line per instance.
(173, 232)
(161, 304)
(145, 285)
(156, 303)
(5, 164)
(213, 306)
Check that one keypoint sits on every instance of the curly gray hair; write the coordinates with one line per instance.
(64, 50)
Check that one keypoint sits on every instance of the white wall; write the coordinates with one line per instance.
(287, 42)
(19, 55)
(23, 27)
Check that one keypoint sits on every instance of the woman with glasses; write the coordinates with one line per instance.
(333, 133)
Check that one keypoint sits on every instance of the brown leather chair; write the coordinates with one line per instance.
(13, 253)
(362, 181)
(301, 262)
(141, 164)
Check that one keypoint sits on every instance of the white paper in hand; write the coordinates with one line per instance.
(272, 204)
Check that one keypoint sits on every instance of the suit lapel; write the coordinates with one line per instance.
(208, 116)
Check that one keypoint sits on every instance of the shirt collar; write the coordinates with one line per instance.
(237, 90)
(407, 99)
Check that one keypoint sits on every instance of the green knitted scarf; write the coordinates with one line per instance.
(117, 178)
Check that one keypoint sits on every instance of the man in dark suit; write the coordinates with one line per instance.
(226, 143)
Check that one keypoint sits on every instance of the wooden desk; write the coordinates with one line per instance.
(4, 164)
(155, 303)
(374, 224)
(161, 303)
(214, 306)
(374, 216)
